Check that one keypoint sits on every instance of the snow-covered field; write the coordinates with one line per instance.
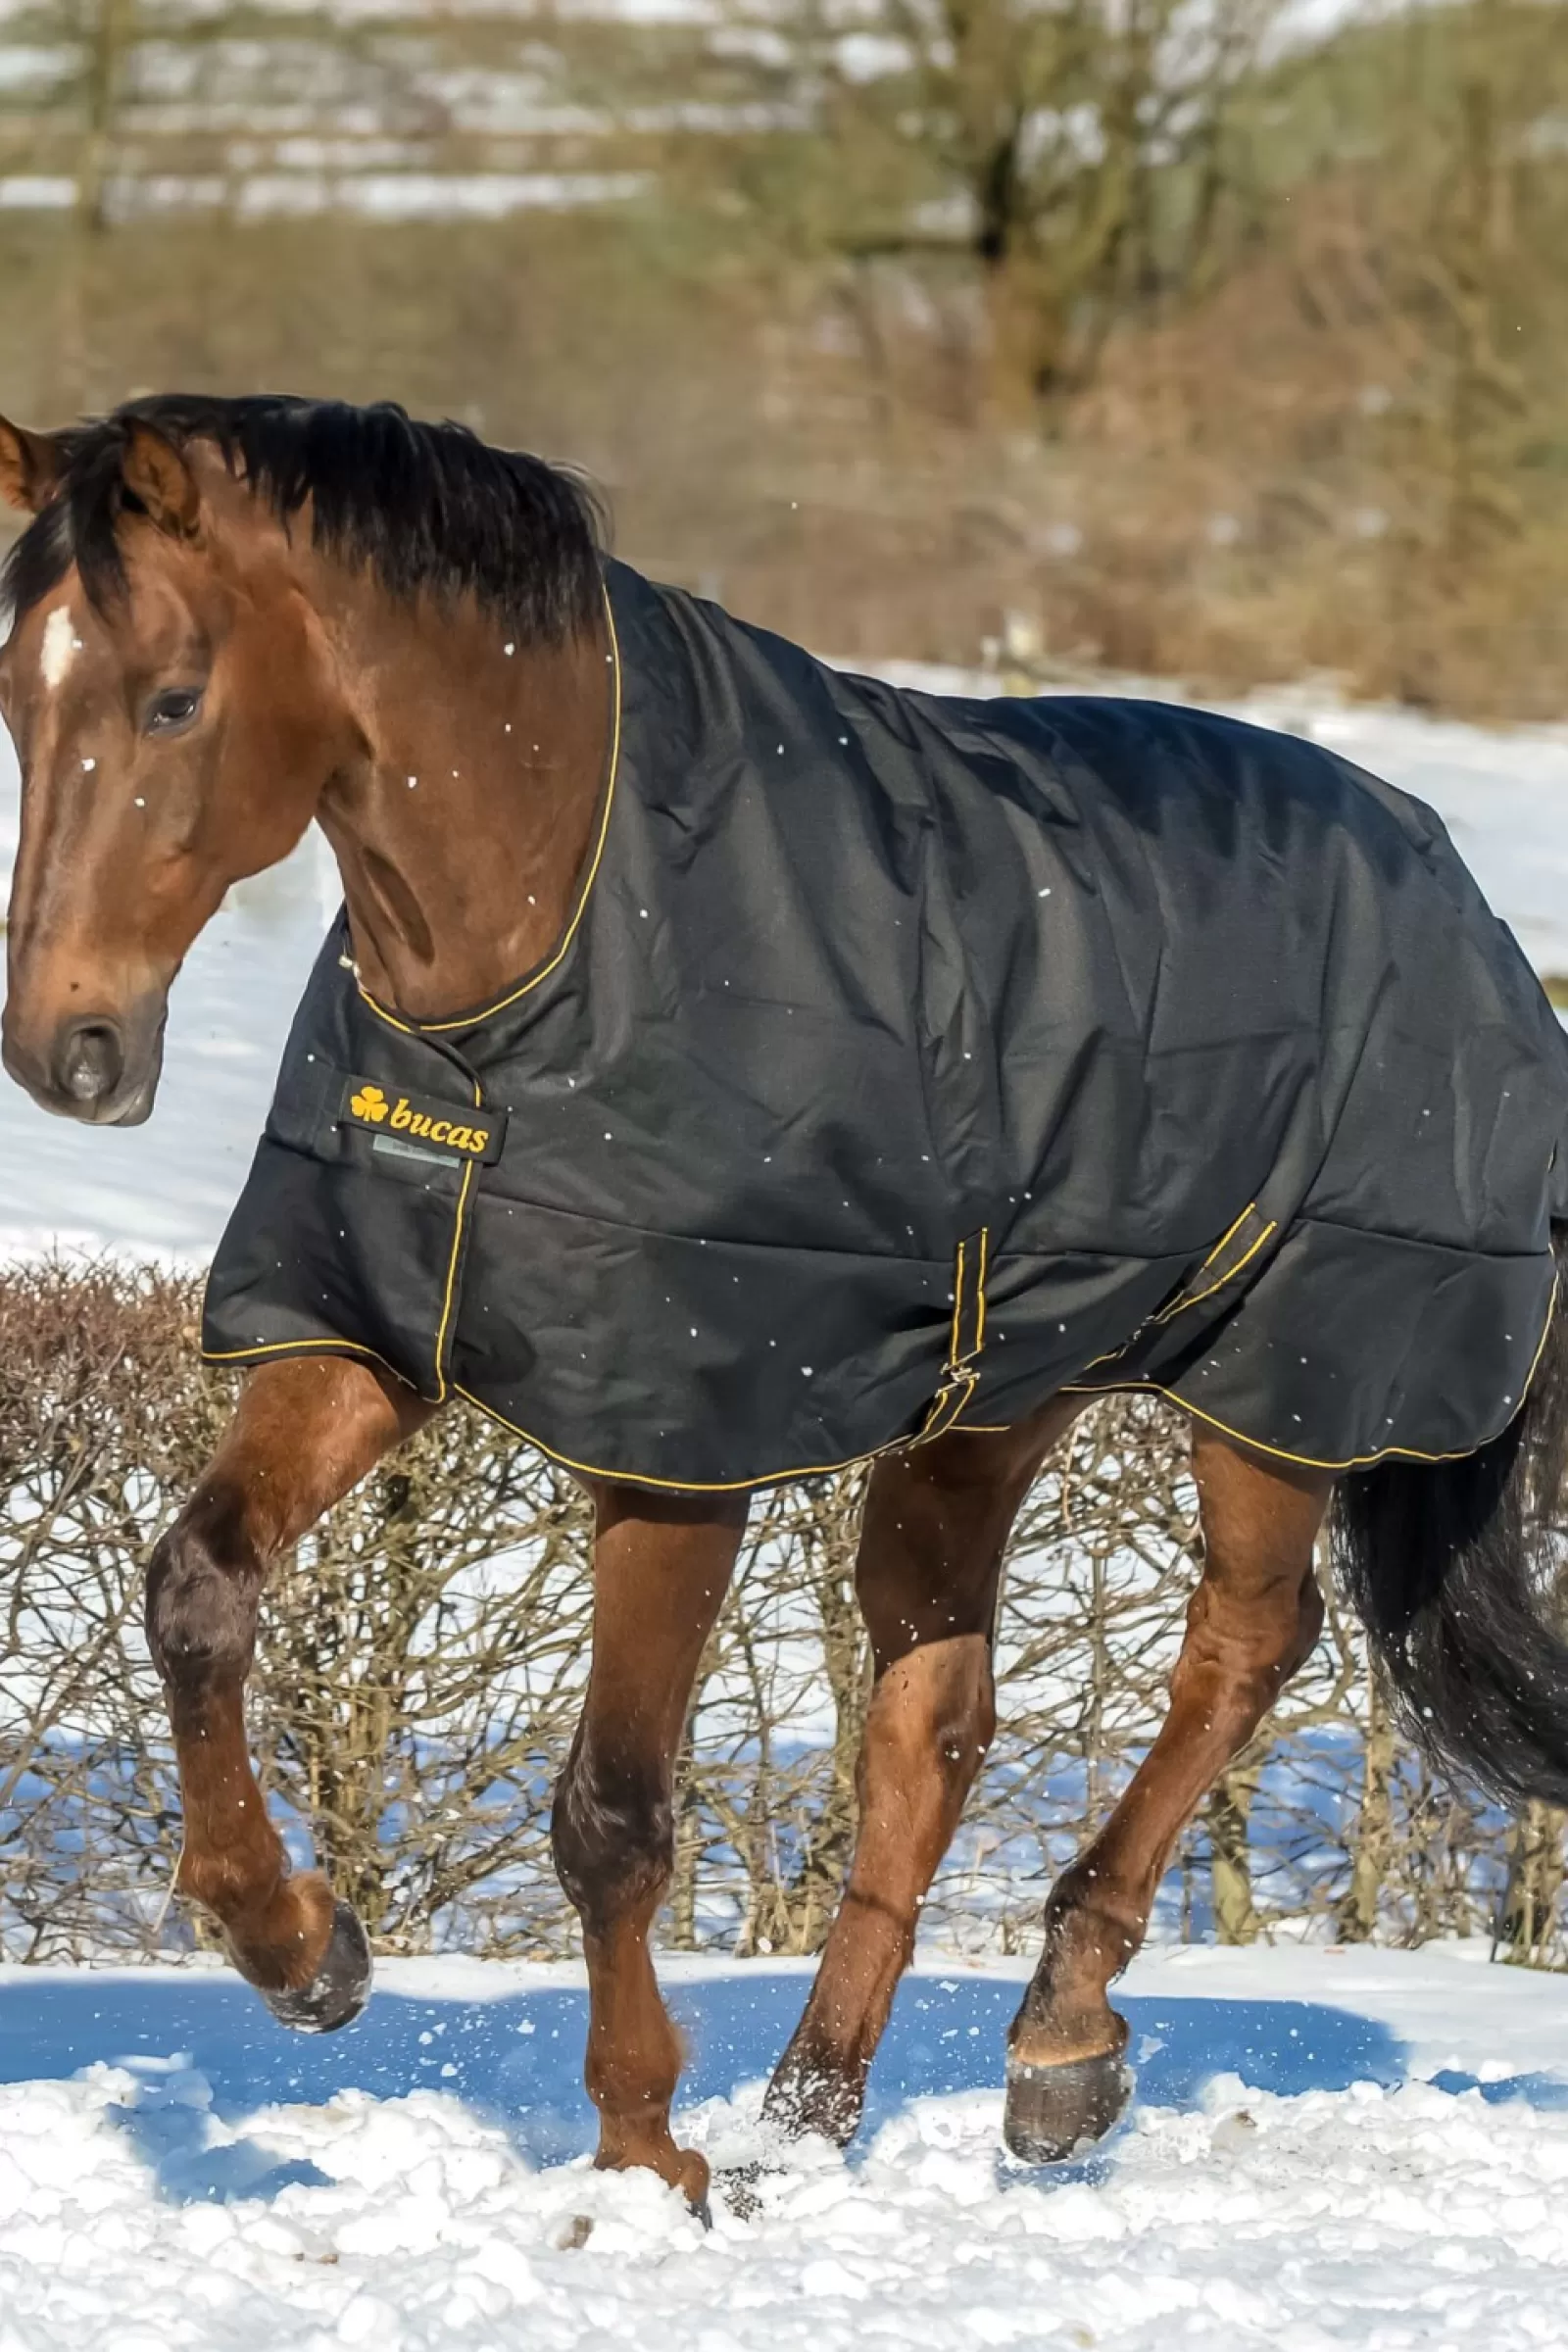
(164, 1189)
(1329, 2148)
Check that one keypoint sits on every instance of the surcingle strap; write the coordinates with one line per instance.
(960, 1375)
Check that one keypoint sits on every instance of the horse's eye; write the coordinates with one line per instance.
(168, 712)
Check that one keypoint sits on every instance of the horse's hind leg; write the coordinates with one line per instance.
(936, 1525)
(305, 1430)
(1252, 1620)
(661, 1566)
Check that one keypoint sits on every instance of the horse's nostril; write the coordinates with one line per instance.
(91, 1062)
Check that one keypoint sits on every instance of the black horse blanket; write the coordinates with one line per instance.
(906, 1059)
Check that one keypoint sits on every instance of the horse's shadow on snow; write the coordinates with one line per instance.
(206, 2055)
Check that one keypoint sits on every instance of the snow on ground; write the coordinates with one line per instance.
(166, 1188)
(1329, 2148)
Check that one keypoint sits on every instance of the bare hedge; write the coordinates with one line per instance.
(423, 1653)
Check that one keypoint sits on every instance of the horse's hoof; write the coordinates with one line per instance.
(1054, 2110)
(340, 1986)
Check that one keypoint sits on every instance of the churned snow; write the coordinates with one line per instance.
(1329, 2148)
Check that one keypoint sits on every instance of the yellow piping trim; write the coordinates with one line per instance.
(677, 1485)
(638, 1477)
(1311, 1461)
(950, 1401)
(1183, 1299)
(980, 1308)
(292, 1346)
(390, 1018)
(472, 1020)
(1228, 1235)
(1229, 1275)
(236, 1355)
(1186, 1298)
(955, 1336)
(451, 1262)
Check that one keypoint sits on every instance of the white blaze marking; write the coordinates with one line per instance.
(60, 641)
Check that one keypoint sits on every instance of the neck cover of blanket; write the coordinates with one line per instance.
(906, 1059)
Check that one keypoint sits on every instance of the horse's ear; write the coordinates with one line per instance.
(30, 467)
(161, 482)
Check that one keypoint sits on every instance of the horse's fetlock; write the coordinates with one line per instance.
(1088, 1923)
(229, 1883)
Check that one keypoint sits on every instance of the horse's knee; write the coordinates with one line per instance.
(613, 1831)
(201, 1587)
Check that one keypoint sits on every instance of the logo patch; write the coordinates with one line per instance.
(436, 1127)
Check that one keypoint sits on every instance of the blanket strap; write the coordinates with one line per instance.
(960, 1374)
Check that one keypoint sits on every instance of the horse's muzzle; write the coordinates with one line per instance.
(98, 1069)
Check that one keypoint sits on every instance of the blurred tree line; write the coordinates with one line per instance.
(1200, 337)
(424, 1656)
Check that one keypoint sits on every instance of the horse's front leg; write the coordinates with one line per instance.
(662, 1567)
(305, 1430)
(1253, 1620)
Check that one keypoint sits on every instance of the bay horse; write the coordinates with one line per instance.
(230, 617)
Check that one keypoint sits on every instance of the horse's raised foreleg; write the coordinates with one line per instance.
(1253, 1620)
(305, 1430)
(661, 1571)
(936, 1526)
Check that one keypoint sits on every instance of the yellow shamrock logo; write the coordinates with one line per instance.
(369, 1103)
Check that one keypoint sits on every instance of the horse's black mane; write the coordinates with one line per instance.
(425, 506)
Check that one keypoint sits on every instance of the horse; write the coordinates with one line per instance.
(230, 617)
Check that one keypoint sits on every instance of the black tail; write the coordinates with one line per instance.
(1450, 1567)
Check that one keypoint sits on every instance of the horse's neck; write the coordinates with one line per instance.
(460, 832)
